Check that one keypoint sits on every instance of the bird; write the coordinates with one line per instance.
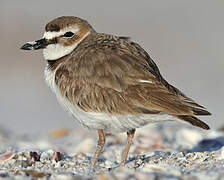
(109, 83)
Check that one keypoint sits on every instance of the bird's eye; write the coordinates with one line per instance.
(69, 34)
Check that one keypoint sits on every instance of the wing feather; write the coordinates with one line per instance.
(121, 79)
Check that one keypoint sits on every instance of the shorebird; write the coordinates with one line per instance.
(109, 83)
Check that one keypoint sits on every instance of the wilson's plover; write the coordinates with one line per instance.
(109, 83)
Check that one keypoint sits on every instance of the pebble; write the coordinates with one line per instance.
(208, 145)
(4, 174)
(47, 156)
(188, 137)
(64, 177)
(6, 157)
(87, 145)
(153, 168)
(57, 156)
(163, 159)
(220, 154)
(59, 133)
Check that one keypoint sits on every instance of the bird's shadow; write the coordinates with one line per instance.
(212, 144)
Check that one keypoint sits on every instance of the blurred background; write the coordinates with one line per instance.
(185, 39)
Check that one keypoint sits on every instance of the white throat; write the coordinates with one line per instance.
(56, 51)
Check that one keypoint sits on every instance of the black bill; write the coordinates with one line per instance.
(35, 45)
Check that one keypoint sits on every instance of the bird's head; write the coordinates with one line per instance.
(61, 37)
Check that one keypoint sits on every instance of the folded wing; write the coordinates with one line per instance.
(123, 79)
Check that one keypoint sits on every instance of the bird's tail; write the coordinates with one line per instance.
(194, 121)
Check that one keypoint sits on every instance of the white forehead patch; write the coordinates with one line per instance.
(53, 34)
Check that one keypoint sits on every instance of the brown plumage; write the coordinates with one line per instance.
(109, 83)
(104, 75)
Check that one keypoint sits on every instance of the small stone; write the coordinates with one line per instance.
(80, 155)
(189, 156)
(174, 171)
(6, 157)
(145, 176)
(35, 174)
(179, 155)
(208, 145)
(57, 156)
(220, 154)
(4, 174)
(47, 155)
(22, 163)
(60, 133)
(153, 168)
(145, 143)
(88, 145)
(64, 177)
(103, 177)
(108, 164)
(59, 164)
(188, 137)
(162, 154)
(35, 156)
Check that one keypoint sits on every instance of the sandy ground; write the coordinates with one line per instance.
(160, 151)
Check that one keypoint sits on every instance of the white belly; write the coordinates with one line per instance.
(114, 123)
(107, 122)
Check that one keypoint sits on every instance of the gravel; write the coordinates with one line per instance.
(159, 151)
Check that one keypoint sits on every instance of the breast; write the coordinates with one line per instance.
(50, 78)
(83, 118)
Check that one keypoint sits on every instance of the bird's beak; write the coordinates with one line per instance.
(35, 45)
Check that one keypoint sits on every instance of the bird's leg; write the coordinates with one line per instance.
(130, 136)
(99, 148)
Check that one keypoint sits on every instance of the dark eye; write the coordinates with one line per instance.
(68, 34)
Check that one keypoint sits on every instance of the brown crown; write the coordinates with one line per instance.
(66, 21)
